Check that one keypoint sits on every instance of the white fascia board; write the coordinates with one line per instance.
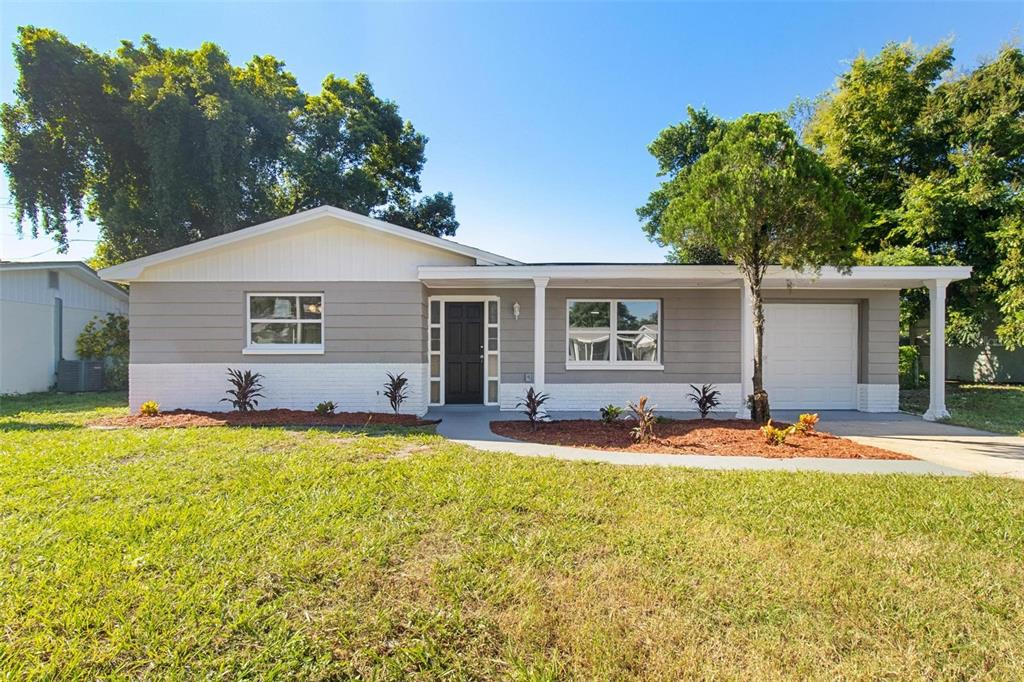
(911, 275)
(125, 272)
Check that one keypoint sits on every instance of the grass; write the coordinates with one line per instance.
(269, 553)
(990, 407)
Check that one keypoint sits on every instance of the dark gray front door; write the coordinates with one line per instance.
(463, 353)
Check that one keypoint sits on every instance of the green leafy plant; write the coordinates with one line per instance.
(531, 406)
(706, 398)
(611, 413)
(396, 390)
(245, 388)
(774, 435)
(643, 430)
(807, 423)
(150, 408)
(326, 407)
(910, 366)
(106, 339)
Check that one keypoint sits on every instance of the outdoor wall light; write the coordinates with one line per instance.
(515, 309)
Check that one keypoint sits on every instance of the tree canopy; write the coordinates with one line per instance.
(939, 158)
(162, 147)
(756, 196)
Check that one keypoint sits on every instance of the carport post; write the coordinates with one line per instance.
(539, 288)
(937, 351)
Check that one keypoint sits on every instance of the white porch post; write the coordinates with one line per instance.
(539, 289)
(937, 351)
(746, 350)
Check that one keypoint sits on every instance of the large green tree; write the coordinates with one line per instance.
(162, 147)
(754, 194)
(939, 158)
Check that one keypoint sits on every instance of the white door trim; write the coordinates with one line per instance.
(489, 351)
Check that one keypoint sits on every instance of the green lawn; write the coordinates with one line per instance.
(262, 553)
(990, 407)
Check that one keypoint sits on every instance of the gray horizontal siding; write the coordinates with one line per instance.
(205, 322)
(700, 337)
(700, 330)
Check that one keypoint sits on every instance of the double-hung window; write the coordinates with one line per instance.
(285, 323)
(613, 334)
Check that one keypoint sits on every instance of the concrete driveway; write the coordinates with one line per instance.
(940, 448)
(956, 447)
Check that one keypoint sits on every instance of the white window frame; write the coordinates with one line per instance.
(488, 351)
(613, 362)
(284, 348)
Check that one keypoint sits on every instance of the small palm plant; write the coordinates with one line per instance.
(326, 407)
(396, 390)
(706, 398)
(643, 432)
(532, 404)
(610, 414)
(245, 388)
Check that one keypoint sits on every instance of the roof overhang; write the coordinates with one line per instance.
(657, 276)
(131, 270)
(77, 268)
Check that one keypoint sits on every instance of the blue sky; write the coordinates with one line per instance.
(538, 114)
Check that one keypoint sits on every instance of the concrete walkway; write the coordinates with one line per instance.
(957, 447)
(942, 449)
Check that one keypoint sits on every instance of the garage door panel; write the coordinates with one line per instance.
(811, 355)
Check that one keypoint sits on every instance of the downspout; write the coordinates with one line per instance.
(58, 333)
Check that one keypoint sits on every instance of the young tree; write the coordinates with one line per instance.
(760, 198)
(163, 147)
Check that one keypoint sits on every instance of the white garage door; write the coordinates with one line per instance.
(811, 356)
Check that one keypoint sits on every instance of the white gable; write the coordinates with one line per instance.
(326, 248)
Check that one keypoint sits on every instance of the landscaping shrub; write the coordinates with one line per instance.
(532, 404)
(706, 398)
(245, 388)
(396, 390)
(326, 407)
(645, 419)
(807, 423)
(910, 366)
(150, 408)
(106, 339)
(776, 436)
(610, 413)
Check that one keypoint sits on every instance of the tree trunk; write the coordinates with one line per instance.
(759, 411)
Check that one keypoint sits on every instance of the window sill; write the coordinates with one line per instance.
(283, 350)
(614, 366)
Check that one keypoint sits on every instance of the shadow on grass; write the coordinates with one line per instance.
(53, 402)
(39, 426)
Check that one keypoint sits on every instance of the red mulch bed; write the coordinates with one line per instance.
(185, 418)
(692, 437)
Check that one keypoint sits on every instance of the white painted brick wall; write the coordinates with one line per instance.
(878, 397)
(666, 397)
(355, 387)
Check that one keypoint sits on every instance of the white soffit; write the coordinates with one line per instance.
(686, 276)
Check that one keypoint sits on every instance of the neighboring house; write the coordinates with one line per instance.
(43, 308)
(325, 302)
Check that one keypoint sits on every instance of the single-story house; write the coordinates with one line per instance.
(43, 308)
(325, 302)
